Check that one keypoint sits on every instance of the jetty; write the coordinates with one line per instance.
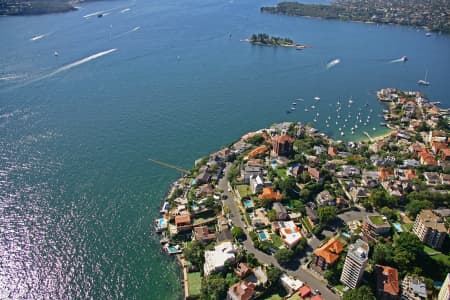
(368, 135)
(161, 163)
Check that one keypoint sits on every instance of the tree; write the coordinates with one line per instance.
(407, 247)
(415, 206)
(214, 287)
(327, 214)
(284, 256)
(194, 252)
(237, 232)
(382, 254)
(256, 140)
(298, 206)
(379, 198)
(272, 215)
(391, 214)
(301, 245)
(289, 187)
(360, 293)
(273, 274)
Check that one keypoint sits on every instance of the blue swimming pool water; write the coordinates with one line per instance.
(262, 235)
(346, 234)
(248, 203)
(162, 222)
(398, 227)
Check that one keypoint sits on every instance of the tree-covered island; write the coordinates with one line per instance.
(429, 14)
(266, 40)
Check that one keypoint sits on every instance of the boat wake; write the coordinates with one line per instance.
(38, 37)
(127, 32)
(125, 10)
(68, 67)
(99, 13)
(333, 63)
(399, 60)
(8, 77)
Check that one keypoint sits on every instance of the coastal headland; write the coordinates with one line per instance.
(262, 214)
(430, 15)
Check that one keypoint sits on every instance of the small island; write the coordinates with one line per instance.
(430, 15)
(263, 39)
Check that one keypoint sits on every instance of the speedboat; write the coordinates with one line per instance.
(404, 58)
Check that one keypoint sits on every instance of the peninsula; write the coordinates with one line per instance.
(432, 15)
(35, 7)
(286, 212)
(263, 39)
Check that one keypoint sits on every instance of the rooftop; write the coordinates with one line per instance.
(387, 279)
(431, 220)
(330, 251)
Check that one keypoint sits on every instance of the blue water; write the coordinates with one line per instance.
(78, 196)
(248, 203)
(398, 227)
(262, 235)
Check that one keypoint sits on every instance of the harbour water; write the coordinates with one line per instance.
(169, 81)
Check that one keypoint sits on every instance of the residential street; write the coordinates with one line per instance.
(264, 258)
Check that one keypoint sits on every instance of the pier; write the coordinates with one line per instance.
(161, 163)
(368, 135)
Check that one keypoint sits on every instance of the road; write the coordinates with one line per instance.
(264, 258)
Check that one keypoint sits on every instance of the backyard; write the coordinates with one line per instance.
(195, 282)
(244, 190)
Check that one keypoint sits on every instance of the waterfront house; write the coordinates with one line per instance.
(216, 259)
(183, 222)
(327, 254)
(258, 151)
(202, 234)
(282, 145)
(241, 291)
(387, 282)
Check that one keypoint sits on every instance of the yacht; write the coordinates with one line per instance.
(317, 98)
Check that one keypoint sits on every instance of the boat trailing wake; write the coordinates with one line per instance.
(125, 10)
(399, 60)
(127, 32)
(38, 37)
(333, 63)
(69, 66)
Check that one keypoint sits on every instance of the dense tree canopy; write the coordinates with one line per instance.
(214, 287)
(360, 293)
(327, 214)
(284, 256)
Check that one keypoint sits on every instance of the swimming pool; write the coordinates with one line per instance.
(248, 203)
(194, 207)
(346, 234)
(162, 222)
(398, 227)
(262, 235)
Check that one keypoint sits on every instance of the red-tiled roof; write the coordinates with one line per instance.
(269, 193)
(387, 279)
(385, 173)
(183, 219)
(330, 251)
(243, 290)
(304, 291)
(316, 297)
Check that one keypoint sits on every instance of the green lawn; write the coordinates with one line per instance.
(274, 297)
(305, 222)
(437, 255)
(194, 283)
(407, 226)
(244, 190)
(296, 296)
(377, 220)
(276, 240)
(281, 173)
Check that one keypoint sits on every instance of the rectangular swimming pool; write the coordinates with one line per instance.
(248, 203)
(262, 235)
